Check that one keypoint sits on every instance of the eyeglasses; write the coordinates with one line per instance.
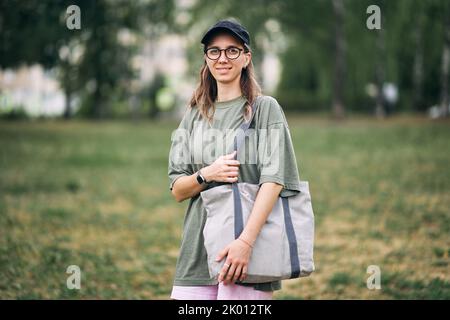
(230, 52)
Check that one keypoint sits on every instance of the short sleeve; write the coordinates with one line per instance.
(276, 156)
(180, 163)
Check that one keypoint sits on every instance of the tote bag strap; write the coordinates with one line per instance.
(238, 140)
(242, 132)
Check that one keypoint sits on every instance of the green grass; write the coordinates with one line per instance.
(95, 194)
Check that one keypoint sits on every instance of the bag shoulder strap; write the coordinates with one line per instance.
(242, 131)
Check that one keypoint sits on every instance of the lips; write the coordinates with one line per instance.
(222, 71)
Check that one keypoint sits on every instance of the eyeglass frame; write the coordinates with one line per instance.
(220, 50)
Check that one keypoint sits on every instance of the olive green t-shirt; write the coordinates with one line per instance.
(266, 156)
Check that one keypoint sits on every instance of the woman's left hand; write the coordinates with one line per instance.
(237, 255)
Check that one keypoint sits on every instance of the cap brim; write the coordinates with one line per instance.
(215, 30)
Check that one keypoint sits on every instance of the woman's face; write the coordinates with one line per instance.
(224, 69)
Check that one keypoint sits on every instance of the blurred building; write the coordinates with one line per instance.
(33, 89)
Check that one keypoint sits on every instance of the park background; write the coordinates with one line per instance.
(86, 117)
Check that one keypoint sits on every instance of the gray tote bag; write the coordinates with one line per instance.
(283, 248)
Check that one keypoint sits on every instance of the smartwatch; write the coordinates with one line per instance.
(200, 178)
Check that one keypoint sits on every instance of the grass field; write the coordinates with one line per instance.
(95, 194)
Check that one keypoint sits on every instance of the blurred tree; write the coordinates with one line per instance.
(105, 62)
(32, 32)
(318, 50)
(152, 92)
(418, 72)
(69, 84)
(339, 62)
(445, 64)
(111, 30)
(36, 32)
(416, 40)
(380, 73)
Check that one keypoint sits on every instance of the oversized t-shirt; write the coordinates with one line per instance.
(267, 155)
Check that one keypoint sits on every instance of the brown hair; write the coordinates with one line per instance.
(206, 92)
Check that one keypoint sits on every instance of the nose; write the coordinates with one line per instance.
(222, 57)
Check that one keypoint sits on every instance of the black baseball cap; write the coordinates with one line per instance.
(230, 26)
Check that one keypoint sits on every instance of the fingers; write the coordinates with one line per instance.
(231, 162)
(222, 254)
(224, 271)
(231, 174)
(230, 274)
(233, 273)
(230, 155)
(228, 159)
(232, 179)
(237, 273)
(244, 273)
(231, 169)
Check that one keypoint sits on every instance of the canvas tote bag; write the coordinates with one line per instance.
(283, 248)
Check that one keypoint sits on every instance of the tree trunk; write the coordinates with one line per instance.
(380, 108)
(98, 104)
(339, 63)
(67, 110)
(418, 64)
(444, 69)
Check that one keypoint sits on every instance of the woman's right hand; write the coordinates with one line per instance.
(224, 169)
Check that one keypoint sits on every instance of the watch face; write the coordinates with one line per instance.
(199, 179)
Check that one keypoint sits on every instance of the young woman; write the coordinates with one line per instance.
(221, 102)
